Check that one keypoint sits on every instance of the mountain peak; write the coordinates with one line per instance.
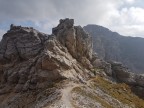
(63, 23)
(112, 46)
(96, 27)
(58, 70)
(100, 30)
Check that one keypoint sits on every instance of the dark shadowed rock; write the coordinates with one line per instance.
(123, 74)
(113, 46)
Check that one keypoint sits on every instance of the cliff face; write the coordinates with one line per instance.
(25, 51)
(112, 46)
(31, 60)
(60, 70)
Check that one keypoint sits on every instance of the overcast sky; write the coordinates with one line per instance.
(123, 16)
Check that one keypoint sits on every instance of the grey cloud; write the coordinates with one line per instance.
(24, 9)
(82, 10)
(102, 12)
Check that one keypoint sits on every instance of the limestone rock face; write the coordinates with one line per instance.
(123, 74)
(31, 60)
(39, 70)
(21, 43)
(77, 41)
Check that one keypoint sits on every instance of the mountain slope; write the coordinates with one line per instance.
(113, 46)
(62, 71)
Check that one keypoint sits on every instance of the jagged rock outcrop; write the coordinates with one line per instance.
(21, 43)
(42, 71)
(123, 74)
(77, 41)
(31, 60)
(29, 57)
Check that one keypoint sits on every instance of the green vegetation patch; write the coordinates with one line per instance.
(120, 91)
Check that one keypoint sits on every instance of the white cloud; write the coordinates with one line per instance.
(118, 15)
(129, 21)
(130, 1)
(130, 30)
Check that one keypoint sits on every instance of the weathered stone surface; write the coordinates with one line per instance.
(21, 43)
(110, 45)
(101, 64)
(140, 80)
(122, 74)
(77, 41)
(32, 62)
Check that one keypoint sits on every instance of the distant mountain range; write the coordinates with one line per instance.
(112, 46)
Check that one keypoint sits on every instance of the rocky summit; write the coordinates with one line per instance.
(62, 71)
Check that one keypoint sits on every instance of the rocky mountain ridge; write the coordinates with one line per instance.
(55, 71)
(113, 46)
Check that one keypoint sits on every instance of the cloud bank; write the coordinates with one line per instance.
(123, 16)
